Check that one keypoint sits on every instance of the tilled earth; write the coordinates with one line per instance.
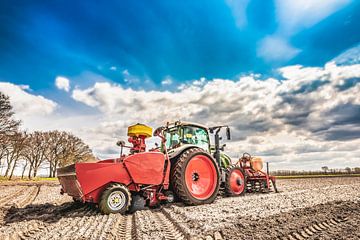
(326, 208)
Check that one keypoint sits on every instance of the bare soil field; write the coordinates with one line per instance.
(320, 208)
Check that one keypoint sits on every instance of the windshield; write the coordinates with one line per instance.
(187, 135)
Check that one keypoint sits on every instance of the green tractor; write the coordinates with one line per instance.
(186, 139)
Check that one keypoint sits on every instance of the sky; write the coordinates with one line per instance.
(283, 74)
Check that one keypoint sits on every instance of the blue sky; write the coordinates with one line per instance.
(184, 40)
(285, 75)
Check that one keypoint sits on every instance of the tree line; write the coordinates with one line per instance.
(32, 149)
(324, 170)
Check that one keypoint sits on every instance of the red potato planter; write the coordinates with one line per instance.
(185, 166)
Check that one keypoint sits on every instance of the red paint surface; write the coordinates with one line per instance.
(146, 167)
(205, 185)
(236, 177)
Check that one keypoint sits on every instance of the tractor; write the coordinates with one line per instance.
(185, 167)
(245, 175)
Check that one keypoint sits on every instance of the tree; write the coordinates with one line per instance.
(13, 152)
(34, 152)
(75, 150)
(325, 169)
(55, 142)
(8, 125)
(63, 149)
(348, 170)
(18, 143)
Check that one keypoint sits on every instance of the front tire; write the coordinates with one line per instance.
(196, 177)
(115, 199)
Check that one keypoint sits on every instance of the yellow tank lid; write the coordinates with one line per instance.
(139, 130)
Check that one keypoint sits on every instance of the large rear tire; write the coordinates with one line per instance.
(115, 199)
(235, 182)
(196, 177)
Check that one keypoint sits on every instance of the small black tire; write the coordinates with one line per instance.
(239, 182)
(116, 198)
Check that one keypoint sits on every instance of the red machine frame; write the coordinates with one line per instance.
(255, 176)
(134, 171)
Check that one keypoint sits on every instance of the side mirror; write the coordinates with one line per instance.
(120, 143)
(158, 131)
(223, 147)
(228, 136)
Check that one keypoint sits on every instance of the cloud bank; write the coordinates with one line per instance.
(312, 113)
(306, 118)
(26, 104)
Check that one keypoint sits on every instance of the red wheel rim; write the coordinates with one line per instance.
(201, 177)
(237, 181)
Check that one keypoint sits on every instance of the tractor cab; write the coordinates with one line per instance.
(181, 134)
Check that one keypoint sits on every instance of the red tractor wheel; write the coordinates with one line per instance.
(196, 177)
(235, 182)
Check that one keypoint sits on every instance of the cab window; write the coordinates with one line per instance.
(196, 136)
(172, 138)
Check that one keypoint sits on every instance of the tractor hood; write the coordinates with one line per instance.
(176, 151)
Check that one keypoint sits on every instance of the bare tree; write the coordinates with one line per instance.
(64, 148)
(325, 169)
(56, 145)
(8, 125)
(34, 152)
(26, 163)
(75, 150)
(18, 143)
(15, 145)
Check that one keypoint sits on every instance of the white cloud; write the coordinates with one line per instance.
(297, 15)
(62, 83)
(275, 49)
(113, 68)
(292, 17)
(167, 81)
(349, 57)
(26, 104)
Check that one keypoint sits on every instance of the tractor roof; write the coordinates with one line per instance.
(181, 123)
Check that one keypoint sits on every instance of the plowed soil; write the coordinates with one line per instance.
(326, 208)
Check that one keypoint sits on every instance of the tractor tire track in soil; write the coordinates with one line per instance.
(28, 197)
(4, 201)
(333, 220)
(21, 197)
(157, 225)
(314, 229)
(122, 227)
